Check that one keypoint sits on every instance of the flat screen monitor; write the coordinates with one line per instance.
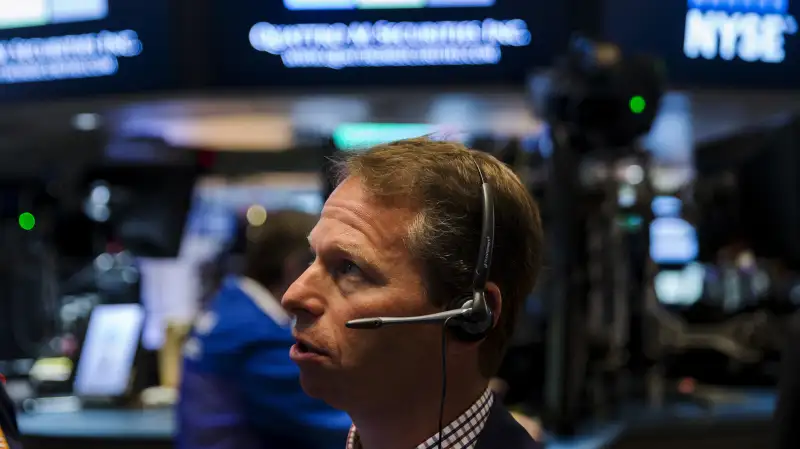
(761, 208)
(769, 195)
(751, 44)
(144, 205)
(682, 287)
(109, 351)
(319, 43)
(673, 240)
(55, 48)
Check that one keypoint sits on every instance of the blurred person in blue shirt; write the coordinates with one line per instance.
(239, 388)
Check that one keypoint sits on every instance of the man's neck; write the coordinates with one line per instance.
(415, 416)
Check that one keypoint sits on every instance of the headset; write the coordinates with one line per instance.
(468, 318)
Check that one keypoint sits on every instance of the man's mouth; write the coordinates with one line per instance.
(306, 348)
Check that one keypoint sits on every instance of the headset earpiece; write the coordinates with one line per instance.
(476, 326)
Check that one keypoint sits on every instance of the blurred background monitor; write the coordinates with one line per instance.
(749, 192)
(769, 186)
(106, 47)
(710, 43)
(404, 42)
(109, 351)
(144, 206)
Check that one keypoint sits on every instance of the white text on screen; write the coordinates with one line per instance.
(749, 30)
(66, 57)
(385, 43)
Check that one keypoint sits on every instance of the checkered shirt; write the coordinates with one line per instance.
(460, 434)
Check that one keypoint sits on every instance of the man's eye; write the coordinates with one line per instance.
(348, 268)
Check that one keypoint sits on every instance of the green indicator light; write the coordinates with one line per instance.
(27, 221)
(637, 104)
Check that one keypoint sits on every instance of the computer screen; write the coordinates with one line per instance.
(769, 195)
(384, 42)
(759, 205)
(331, 5)
(53, 48)
(145, 205)
(711, 43)
(109, 350)
(673, 240)
(680, 287)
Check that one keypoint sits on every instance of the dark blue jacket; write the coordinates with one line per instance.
(787, 410)
(240, 389)
(503, 432)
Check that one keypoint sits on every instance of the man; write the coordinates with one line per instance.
(787, 412)
(239, 388)
(9, 433)
(399, 237)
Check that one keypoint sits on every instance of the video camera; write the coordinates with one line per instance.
(604, 99)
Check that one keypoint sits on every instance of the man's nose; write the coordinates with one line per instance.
(304, 298)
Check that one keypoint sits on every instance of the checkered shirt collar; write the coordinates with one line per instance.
(460, 434)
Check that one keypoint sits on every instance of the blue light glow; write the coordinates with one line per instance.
(325, 5)
(355, 136)
(28, 13)
(747, 30)
(756, 6)
(390, 44)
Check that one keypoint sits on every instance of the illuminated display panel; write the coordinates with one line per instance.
(27, 13)
(55, 48)
(714, 43)
(384, 42)
(324, 5)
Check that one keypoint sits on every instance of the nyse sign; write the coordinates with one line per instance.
(88, 55)
(750, 30)
(385, 43)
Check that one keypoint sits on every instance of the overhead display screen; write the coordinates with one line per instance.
(714, 43)
(53, 48)
(323, 5)
(384, 42)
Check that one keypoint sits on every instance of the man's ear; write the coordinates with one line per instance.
(495, 301)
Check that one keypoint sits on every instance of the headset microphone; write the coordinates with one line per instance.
(434, 318)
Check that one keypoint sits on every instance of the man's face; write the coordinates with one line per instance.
(362, 269)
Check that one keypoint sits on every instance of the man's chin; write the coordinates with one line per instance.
(323, 387)
(316, 385)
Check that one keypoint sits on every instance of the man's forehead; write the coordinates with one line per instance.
(328, 233)
(342, 243)
(332, 233)
(379, 225)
